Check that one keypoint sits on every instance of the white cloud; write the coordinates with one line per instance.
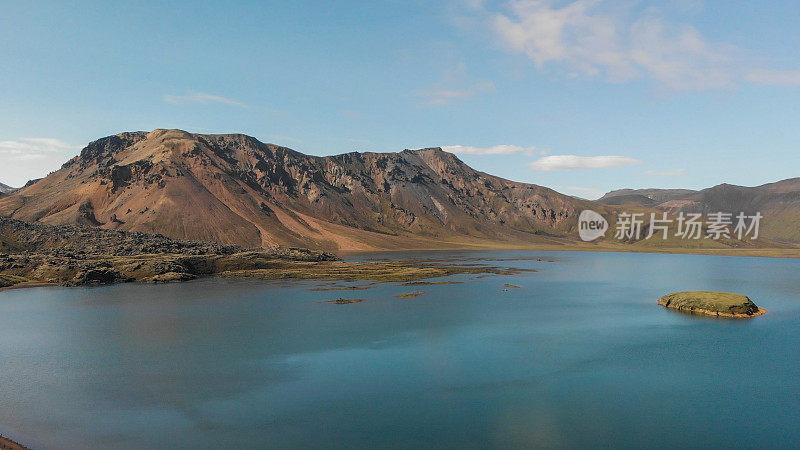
(202, 97)
(589, 38)
(666, 173)
(495, 150)
(572, 162)
(445, 96)
(28, 158)
(27, 149)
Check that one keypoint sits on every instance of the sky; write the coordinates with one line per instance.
(581, 96)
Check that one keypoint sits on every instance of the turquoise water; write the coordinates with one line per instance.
(580, 356)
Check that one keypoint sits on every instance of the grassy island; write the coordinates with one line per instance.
(710, 303)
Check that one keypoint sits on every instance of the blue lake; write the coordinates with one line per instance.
(579, 356)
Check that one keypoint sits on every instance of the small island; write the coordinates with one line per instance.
(710, 303)
(345, 301)
(410, 294)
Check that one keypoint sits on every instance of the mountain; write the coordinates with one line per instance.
(233, 189)
(6, 189)
(643, 197)
(778, 203)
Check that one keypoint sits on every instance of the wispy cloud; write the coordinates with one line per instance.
(597, 38)
(572, 162)
(787, 78)
(202, 97)
(445, 96)
(495, 150)
(28, 149)
(455, 83)
(666, 173)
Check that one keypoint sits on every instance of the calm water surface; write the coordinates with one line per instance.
(579, 356)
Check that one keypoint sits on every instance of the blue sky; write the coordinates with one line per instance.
(583, 97)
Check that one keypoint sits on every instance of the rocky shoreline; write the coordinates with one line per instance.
(35, 255)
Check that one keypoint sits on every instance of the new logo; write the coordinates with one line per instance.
(591, 225)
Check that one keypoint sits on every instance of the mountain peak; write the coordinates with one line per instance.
(162, 133)
(427, 150)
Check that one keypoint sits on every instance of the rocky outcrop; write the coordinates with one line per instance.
(82, 255)
(99, 275)
(171, 277)
(76, 256)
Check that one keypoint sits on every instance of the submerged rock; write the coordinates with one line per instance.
(410, 294)
(345, 301)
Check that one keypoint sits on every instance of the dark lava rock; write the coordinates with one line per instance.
(99, 276)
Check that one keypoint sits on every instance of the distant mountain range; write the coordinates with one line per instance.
(778, 202)
(233, 189)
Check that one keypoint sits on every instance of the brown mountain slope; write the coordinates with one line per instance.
(622, 196)
(234, 189)
(779, 204)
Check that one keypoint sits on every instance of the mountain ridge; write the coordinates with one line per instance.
(234, 189)
(778, 202)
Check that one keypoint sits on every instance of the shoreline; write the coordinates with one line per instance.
(261, 265)
(788, 253)
(255, 266)
(708, 312)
